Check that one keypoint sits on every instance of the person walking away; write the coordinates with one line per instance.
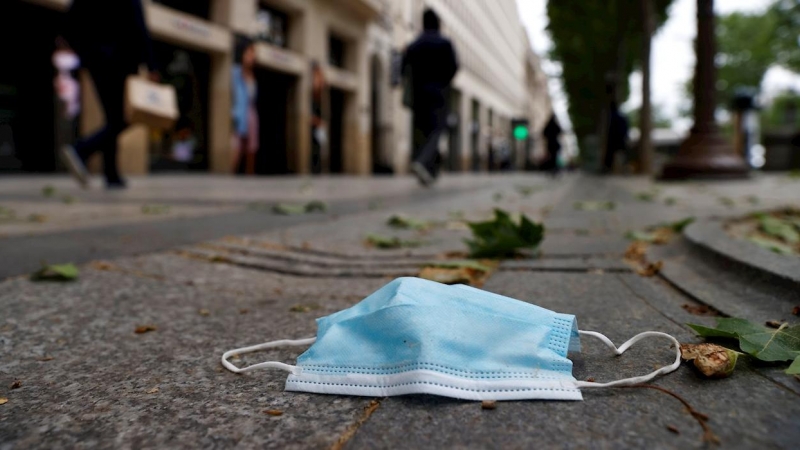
(112, 40)
(552, 133)
(617, 136)
(431, 64)
(319, 134)
(245, 115)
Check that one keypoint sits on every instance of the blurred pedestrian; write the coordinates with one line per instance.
(617, 139)
(552, 134)
(112, 40)
(245, 114)
(319, 133)
(431, 64)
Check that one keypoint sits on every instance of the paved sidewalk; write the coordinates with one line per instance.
(88, 380)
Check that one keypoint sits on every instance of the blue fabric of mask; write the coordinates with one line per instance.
(415, 336)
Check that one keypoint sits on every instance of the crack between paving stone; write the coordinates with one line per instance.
(353, 428)
(643, 299)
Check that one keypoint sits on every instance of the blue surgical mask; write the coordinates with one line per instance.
(415, 336)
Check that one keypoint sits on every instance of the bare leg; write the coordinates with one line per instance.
(251, 163)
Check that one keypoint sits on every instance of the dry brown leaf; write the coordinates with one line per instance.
(590, 379)
(650, 269)
(796, 311)
(699, 310)
(774, 323)
(446, 276)
(673, 429)
(102, 265)
(489, 404)
(636, 251)
(713, 361)
(153, 391)
(204, 312)
(46, 358)
(16, 384)
(3, 400)
(145, 329)
(273, 412)
(306, 245)
(244, 311)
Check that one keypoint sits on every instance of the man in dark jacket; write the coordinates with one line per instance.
(431, 63)
(112, 40)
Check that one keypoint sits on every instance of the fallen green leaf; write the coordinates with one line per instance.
(753, 200)
(646, 196)
(794, 368)
(727, 201)
(781, 229)
(7, 213)
(316, 206)
(501, 237)
(771, 245)
(644, 236)
(526, 191)
(293, 209)
(680, 225)
(68, 199)
(765, 344)
(386, 242)
(56, 272)
(48, 191)
(407, 223)
(670, 201)
(591, 205)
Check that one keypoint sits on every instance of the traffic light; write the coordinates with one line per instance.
(520, 129)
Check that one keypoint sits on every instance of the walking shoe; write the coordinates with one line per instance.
(75, 165)
(425, 178)
(116, 184)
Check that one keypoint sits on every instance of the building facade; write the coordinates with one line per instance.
(358, 44)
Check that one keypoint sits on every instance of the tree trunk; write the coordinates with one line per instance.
(646, 112)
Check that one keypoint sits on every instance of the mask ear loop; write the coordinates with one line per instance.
(635, 380)
(268, 364)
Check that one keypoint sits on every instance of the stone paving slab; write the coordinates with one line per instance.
(746, 410)
(99, 388)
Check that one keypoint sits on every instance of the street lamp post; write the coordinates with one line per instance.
(705, 153)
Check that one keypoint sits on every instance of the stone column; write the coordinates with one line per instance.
(705, 153)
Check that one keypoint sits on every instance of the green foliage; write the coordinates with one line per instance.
(745, 51)
(290, 209)
(56, 272)
(593, 38)
(779, 228)
(386, 242)
(407, 223)
(660, 117)
(591, 205)
(765, 344)
(774, 115)
(748, 44)
(48, 191)
(502, 237)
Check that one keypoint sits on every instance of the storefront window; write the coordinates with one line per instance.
(336, 52)
(272, 26)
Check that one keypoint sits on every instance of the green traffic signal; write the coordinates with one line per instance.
(521, 132)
